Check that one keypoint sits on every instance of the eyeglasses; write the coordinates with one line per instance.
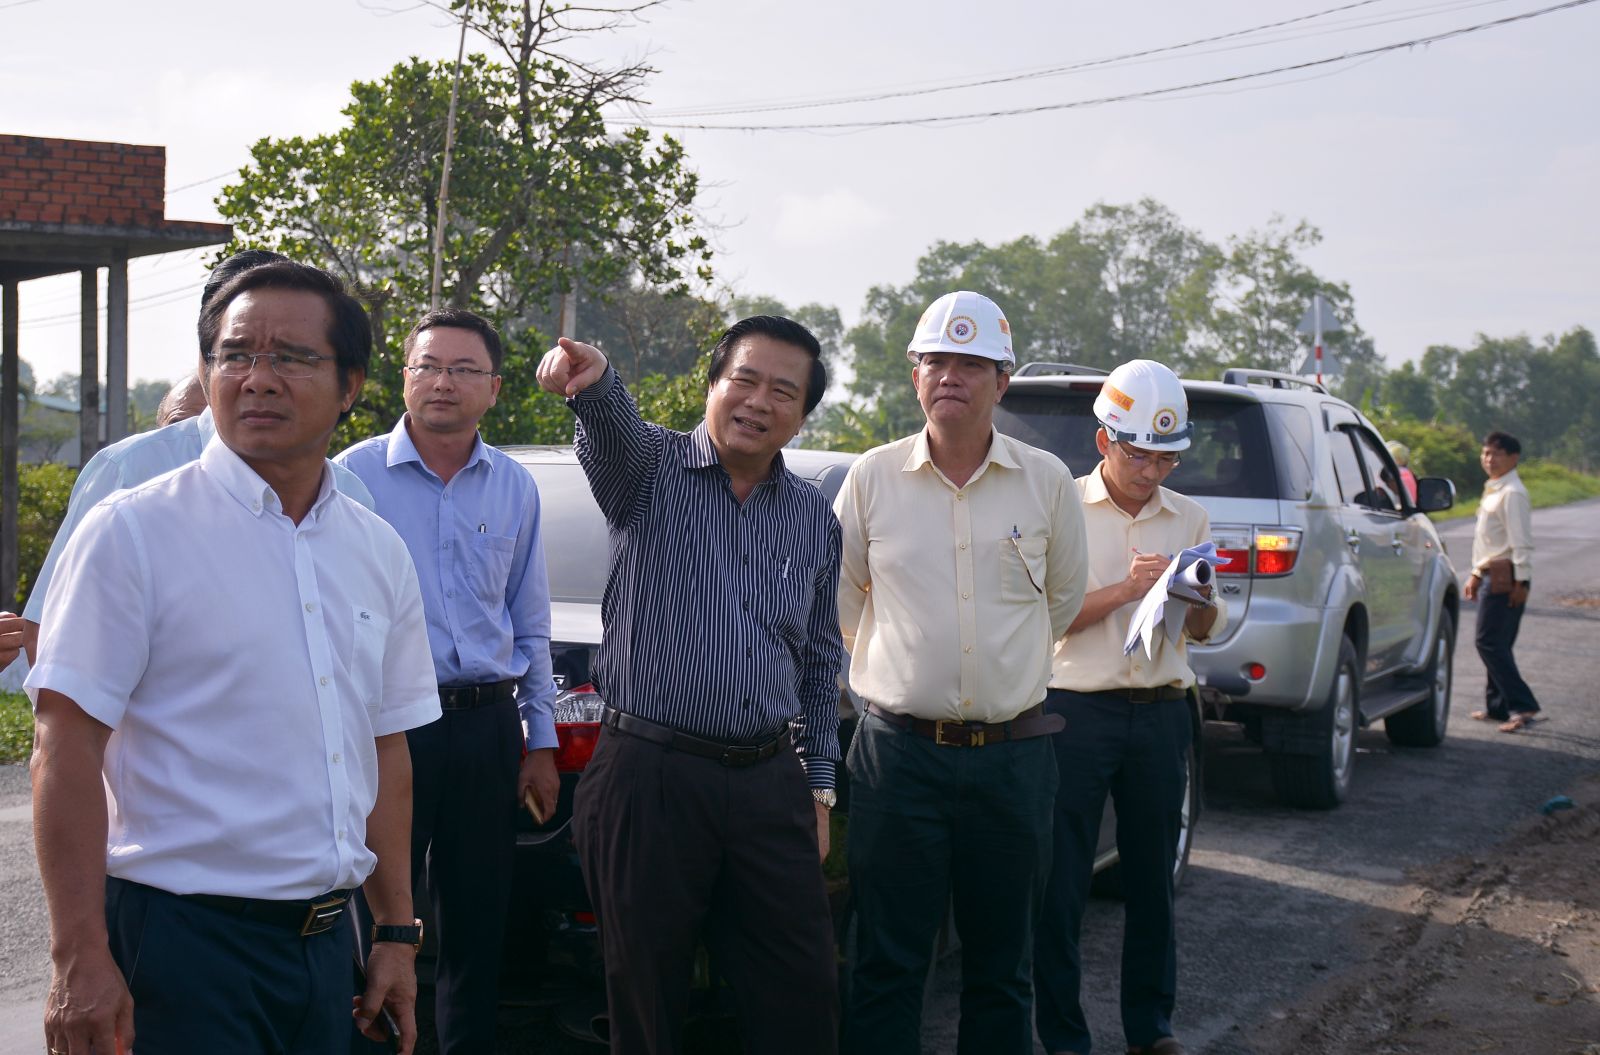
(284, 364)
(429, 372)
(1139, 460)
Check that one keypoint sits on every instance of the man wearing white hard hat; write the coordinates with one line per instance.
(1127, 717)
(963, 561)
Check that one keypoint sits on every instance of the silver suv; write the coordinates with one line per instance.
(1342, 605)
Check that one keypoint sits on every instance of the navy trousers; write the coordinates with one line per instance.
(933, 827)
(1498, 623)
(203, 980)
(1136, 753)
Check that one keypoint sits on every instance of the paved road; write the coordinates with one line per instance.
(1275, 898)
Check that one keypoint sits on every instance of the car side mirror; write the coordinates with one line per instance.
(1435, 494)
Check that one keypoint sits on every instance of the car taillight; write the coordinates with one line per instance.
(577, 714)
(1276, 550)
(1233, 549)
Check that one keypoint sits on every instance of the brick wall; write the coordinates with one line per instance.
(76, 182)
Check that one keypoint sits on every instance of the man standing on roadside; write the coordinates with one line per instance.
(963, 562)
(144, 456)
(230, 656)
(704, 810)
(469, 515)
(1128, 727)
(1502, 553)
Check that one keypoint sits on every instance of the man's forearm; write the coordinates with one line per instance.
(388, 888)
(1098, 604)
(69, 824)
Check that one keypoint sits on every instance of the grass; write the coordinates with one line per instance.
(1548, 484)
(16, 727)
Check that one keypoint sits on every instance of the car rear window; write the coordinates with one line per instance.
(577, 546)
(1231, 455)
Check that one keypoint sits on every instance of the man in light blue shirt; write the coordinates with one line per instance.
(145, 456)
(470, 517)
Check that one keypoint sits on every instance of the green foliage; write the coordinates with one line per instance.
(16, 728)
(544, 199)
(42, 495)
(1439, 450)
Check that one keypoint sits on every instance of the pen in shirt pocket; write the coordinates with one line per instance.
(483, 529)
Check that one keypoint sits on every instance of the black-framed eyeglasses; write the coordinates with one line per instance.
(284, 364)
(1140, 460)
(428, 372)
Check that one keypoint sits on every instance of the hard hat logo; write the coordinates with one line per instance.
(1005, 327)
(1165, 423)
(1142, 403)
(1121, 399)
(961, 330)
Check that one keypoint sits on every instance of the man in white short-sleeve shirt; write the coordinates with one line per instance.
(231, 655)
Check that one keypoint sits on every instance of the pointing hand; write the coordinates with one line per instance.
(570, 367)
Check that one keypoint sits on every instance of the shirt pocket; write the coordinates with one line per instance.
(788, 592)
(1022, 568)
(489, 567)
(368, 641)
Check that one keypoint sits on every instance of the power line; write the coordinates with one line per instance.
(201, 182)
(1077, 104)
(1165, 53)
(170, 296)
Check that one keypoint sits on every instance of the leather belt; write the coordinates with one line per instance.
(734, 755)
(1151, 695)
(314, 916)
(466, 697)
(1030, 723)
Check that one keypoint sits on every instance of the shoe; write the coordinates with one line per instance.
(1164, 1046)
(1519, 721)
(1488, 716)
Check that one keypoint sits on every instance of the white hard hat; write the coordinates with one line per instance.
(1143, 403)
(966, 323)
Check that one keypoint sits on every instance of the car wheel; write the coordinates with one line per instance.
(1108, 881)
(1321, 780)
(1423, 724)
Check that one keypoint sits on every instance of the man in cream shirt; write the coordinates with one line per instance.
(1127, 719)
(1504, 532)
(963, 561)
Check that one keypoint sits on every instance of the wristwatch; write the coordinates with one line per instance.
(826, 796)
(411, 935)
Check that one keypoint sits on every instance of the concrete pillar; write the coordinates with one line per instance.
(9, 391)
(89, 369)
(117, 347)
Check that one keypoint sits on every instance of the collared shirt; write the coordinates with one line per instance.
(1505, 527)
(476, 544)
(245, 665)
(950, 597)
(719, 617)
(132, 461)
(1091, 659)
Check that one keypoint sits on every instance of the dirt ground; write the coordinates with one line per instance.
(1493, 953)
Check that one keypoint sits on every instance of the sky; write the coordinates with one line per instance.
(1453, 182)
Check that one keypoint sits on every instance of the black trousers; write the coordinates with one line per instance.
(1505, 692)
(677, 848)
(463, 835)
(933, 827)
(1134, 752)
(204, 981)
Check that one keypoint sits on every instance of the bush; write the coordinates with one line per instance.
(42, 496)
(16, 727)
(1440, 450)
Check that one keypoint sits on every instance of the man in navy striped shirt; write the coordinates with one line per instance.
(704, 812)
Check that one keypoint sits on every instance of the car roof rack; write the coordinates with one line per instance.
(1056, 369)
(1243, 375)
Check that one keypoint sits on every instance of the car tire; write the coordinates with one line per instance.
(1424, 724)
(1321, 780)
(1107, 882)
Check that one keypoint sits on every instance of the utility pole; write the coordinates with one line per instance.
(444, 178)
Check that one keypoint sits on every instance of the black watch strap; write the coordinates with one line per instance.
(406, 935)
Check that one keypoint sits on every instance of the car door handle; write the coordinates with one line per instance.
(1398, 543)
(1352, 538)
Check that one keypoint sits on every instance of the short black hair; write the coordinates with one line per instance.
(779, 329)
(349, 332)
(243, 260)
(459, 319)
(1504, 440)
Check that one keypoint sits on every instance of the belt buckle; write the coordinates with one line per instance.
(740, 756)
(321, 916)
(974, 736)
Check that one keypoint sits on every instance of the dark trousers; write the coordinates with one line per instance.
(1505, 692)
(463, 816)
(676, 848)
(933, 826)
(203, 980)
(1136, 753)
